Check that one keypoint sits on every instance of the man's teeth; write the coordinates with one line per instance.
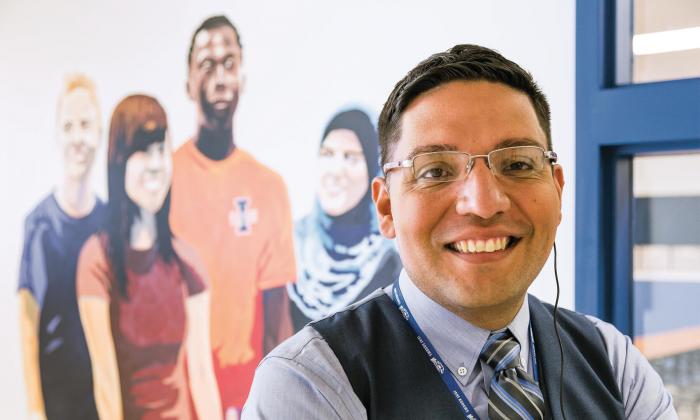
(476, 246)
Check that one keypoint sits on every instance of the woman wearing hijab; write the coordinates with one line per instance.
(142, 293)
(341, 256)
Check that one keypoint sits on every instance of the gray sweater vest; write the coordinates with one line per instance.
(392, 376)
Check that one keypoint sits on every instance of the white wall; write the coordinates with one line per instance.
(303, 60)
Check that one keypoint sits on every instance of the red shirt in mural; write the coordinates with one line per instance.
(148, 327)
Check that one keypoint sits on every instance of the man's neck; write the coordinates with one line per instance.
(216, 144)
(75, 198)
(491, 318)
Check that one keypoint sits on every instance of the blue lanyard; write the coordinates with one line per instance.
(434, 357)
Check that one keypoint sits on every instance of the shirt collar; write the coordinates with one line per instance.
(458, 342)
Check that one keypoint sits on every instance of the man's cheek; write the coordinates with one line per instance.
(202, 94)
(196, 83)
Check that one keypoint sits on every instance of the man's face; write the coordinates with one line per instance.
(430, 223)
(214, 76)
(78, 133)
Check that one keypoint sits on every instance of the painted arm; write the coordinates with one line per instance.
(278, 263)
(94, 315)
(29, 328)
(205, 393)
(278, 321)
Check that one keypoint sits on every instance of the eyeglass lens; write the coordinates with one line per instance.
(512, 162)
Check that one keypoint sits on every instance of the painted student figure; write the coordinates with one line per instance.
(341, 256)
(235, 212)
(142, 293)
(53, 343)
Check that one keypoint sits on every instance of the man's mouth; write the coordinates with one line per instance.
(477, 246)
(79, 153)
(80, 159)
(221, 104)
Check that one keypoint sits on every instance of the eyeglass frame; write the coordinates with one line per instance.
(408, 163)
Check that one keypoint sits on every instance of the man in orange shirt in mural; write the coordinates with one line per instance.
(236, 213)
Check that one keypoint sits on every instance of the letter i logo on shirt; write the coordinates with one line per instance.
(243, 216)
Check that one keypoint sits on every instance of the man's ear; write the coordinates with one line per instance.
(382, 203)
(559, 183)
(188, 87)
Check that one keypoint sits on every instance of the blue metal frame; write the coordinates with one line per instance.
(612, 124)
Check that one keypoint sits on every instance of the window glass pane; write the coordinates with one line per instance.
(666, 272)
(666, 40)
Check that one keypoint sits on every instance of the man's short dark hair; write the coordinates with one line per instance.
(461, 62)
(209, 24)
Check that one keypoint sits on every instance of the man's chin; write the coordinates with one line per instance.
(467, 299)
(218, 112)
(77, 172)
(220, 120)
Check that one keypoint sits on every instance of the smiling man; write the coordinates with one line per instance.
(472, 195)
(235, 212)
(53, 341)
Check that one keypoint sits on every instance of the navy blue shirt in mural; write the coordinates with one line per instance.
(52, 243)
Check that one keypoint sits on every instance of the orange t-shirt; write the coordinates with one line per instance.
(236, 214)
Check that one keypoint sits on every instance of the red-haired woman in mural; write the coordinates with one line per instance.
(142, 293)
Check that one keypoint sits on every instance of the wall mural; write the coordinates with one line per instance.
(193, 269)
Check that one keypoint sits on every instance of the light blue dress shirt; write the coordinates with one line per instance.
(302, 378)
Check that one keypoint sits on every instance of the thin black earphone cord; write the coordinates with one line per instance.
(556, 330)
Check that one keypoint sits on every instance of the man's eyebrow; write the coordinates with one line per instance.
(512, 142)
(430, 148)
(202, 55)
(520, 141)
(205, 54)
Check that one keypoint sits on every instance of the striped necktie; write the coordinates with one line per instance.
(512, 394)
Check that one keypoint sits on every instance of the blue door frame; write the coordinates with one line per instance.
(612, 124)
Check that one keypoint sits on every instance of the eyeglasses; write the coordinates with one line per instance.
(514, 163)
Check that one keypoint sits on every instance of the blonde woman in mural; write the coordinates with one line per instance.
(53, 343)
(142, 293)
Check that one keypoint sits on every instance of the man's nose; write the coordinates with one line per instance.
(76, 138)
(480, 194)
(220, 75)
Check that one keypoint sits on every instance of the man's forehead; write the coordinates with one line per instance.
(222, 35)
(78, 100)
(416, 149)
(474, 117)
